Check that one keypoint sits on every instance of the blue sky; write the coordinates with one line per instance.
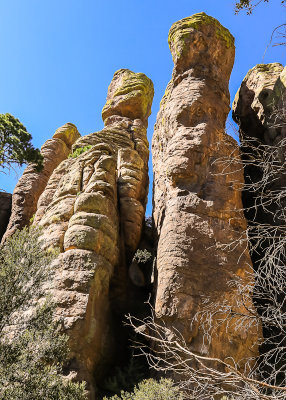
(58, 56)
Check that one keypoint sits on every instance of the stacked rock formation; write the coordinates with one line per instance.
(259, 110)
(92, 209)
(197, 206)
(32, 183)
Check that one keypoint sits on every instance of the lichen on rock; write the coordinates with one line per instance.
(93, 209)
(129, 94)
(193, 31)
(196, 205)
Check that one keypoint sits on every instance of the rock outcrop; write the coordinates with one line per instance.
(197, 205)
(259, 110)
(5, 211)
(32, 183)
(93, 209)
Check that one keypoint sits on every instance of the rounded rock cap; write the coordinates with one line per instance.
(68, 133)
(198, 36)
(129, 95)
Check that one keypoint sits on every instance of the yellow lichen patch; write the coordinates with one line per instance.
(266, 77)
(68, 133)
(264, 70)
(271, 67)
(129, 94)
(165, 97)
(181, 30)
(283, 77)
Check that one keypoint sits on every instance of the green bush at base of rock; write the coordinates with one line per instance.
(32, 350)
(150, 389)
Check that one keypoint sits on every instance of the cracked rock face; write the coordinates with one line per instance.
(197, 207)
(93, 209)
(32, 183)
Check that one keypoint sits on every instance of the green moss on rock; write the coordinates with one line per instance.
(129, 93)
(270, 68)
(68, 133)
(181, 29)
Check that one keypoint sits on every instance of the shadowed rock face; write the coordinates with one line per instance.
(93, 209)
(5, 211)
(32, 183)
(259, 110)
(196, 206)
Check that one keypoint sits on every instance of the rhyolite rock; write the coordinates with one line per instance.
(93, 209)
(259, 110)
(197, 204)
(32, 183)
(5, 211)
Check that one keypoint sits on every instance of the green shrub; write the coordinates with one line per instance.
(142, 256)
(79, 151)
(150, 389)
(32, 351)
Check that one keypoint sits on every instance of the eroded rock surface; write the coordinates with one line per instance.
(93, 209)
(32, 183)
(5, 211)
(197, 206)
(259, 110)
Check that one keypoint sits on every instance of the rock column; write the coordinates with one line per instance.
(93, 209)
(197, 205)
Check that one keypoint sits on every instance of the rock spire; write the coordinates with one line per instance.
(197, 206)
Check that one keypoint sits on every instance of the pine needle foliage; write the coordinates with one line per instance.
(15, 144)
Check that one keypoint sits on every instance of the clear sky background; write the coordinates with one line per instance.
(59, 56)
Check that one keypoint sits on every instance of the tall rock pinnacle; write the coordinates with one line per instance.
(197, 206)
(93, 209)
